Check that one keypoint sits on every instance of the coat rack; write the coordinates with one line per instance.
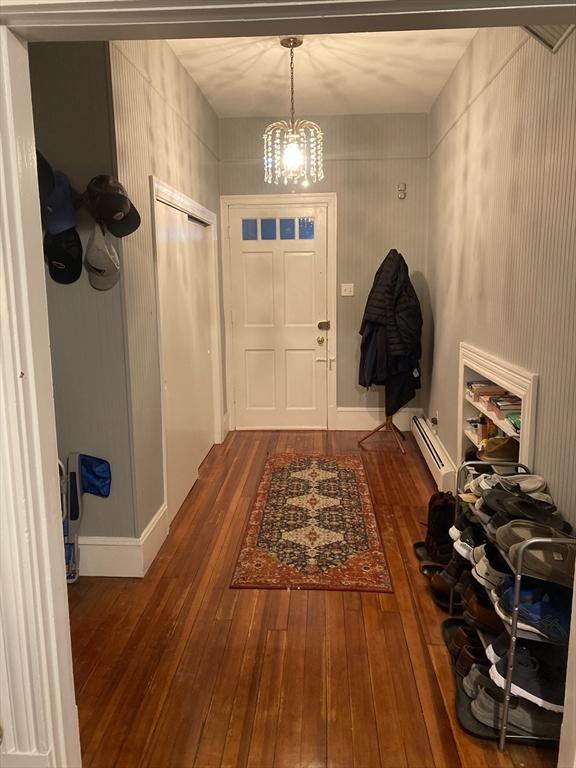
(387, 426)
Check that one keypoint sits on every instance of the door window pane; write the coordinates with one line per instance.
(287, 229)
(306, 228)
(268, 229)
(249, 229)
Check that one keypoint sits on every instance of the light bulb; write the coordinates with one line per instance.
(292, 158)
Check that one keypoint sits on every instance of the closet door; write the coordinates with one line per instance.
(186, 314)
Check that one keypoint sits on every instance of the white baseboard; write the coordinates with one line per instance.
(360, 419)
(121, 555)
(26, 760)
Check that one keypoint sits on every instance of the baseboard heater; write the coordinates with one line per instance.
(439, 463)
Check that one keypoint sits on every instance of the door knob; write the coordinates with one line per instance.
(320, 339)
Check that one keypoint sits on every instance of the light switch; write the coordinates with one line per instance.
(347, 289)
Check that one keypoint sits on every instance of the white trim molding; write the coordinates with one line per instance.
(365, 419)
(516, 380)
(124, 556)
(26, 760)
(330, 201)
(37, 700)
(126, 20)
(164, 193)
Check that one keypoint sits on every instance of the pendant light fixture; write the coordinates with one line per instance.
(293, 150)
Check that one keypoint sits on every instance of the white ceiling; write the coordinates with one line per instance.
(353, 74)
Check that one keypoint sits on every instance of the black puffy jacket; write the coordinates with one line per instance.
(391, 332)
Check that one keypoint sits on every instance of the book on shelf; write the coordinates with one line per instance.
(502, 407)
(515, 419)
(478, 389)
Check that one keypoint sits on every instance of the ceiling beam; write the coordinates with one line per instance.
(139, 19)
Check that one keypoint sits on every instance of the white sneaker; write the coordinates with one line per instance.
(486, 575)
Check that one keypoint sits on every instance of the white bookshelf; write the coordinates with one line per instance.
(478, 364)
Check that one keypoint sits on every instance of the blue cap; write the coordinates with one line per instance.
(58, 214)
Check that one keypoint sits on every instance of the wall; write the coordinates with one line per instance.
(366, 157)
(73, 127)
(164, 127)
(502, 236)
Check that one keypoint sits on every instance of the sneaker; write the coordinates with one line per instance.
(533, 680)
(477, 678)
(488, 482)
(490, 569)
(517, 531)
(460, 524)
(510, 506)
(482, 512)
(523, 716)
(498, 647)
(554, 563)
(544, 609)
(471, 537)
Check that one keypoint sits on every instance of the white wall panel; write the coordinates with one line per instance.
(299, 288)
(258, 288)
(502, 239)
(260, 378)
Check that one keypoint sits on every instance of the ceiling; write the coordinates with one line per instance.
(349, 74)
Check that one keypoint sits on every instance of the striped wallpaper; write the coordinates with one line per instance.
(501, 264)
(164, 127)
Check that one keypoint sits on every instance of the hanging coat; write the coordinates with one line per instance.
(391, 334)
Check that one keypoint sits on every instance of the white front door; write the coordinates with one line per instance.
(186, 317)
(279, 275)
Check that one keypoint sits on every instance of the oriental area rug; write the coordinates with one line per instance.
(313, 526)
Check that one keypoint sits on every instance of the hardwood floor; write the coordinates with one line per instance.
(176, 670)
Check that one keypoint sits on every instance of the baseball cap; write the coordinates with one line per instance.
(45, 178)
(58, 214)
(108, 202)
(63, 254)
(101, 260)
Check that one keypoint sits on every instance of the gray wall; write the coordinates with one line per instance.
(73, 126)
(366, 157)
(164, 127)
(502, 239)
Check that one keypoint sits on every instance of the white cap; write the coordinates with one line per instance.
(101, 260)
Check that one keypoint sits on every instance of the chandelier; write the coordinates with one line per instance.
(293, 150)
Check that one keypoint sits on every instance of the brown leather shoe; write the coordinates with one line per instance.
(476, 591)
(454, 570)
(462, 637)
(468, 656)
(483, 618)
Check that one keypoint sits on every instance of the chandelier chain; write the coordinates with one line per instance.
(292, 87)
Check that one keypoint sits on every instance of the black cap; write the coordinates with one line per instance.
(46, 179)
(63, 254)
(109, 203)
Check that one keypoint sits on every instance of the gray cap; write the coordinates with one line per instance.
(101, 260)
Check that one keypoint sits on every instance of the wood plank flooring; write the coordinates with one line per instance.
(176, 670)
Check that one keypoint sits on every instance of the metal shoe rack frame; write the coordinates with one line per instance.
(515, 633)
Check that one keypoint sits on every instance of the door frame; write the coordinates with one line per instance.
(325, 199)
(39, 714)
(162, 193)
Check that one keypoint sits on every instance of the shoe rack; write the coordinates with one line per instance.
(475, 363)
(515, 632)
